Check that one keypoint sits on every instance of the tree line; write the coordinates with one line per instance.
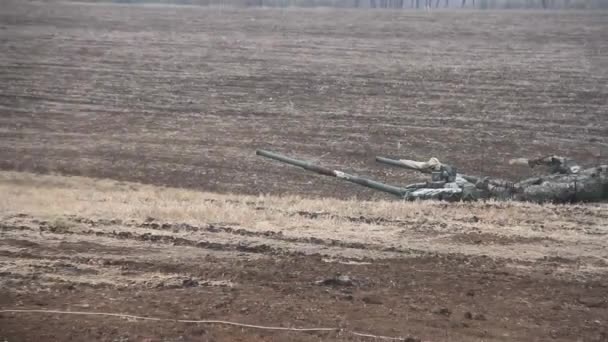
(396, 4)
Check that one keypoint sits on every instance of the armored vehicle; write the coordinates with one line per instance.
(566, 181)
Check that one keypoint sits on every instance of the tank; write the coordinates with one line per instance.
(566, 183)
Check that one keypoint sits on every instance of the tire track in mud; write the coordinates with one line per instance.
(294, 246)
(56, 260)
(46, 243)
(220, 228)
(267, 240)
(237, 241)
(103, 261)
(28, 247)
(149, 237)
(43, 242)
(290, 243)
(215, 228)
(38, 270)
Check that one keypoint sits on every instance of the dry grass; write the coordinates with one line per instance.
(51, 195)
(502, 229)
(76, 233)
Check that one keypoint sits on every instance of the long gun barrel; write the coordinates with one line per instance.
(399, 163)
(306, 165)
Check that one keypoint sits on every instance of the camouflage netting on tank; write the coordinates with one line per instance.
(567, 182)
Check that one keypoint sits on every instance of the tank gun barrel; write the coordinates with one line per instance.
(306, 165)
(399, 163)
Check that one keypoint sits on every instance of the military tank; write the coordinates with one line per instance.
(567, 182)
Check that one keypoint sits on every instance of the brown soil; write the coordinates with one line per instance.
(183, 95)
(423, 271)
(434, 297)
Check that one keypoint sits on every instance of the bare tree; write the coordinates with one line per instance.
(464, 2)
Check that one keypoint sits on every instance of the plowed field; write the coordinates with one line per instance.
(170, 102)
(182, 96)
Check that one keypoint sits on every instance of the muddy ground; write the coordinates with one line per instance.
(183, 95)
(104, 267)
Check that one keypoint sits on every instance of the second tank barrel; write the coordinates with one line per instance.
(399, 163)
(389, 161)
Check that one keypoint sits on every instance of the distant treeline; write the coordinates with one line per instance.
(394, 4)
